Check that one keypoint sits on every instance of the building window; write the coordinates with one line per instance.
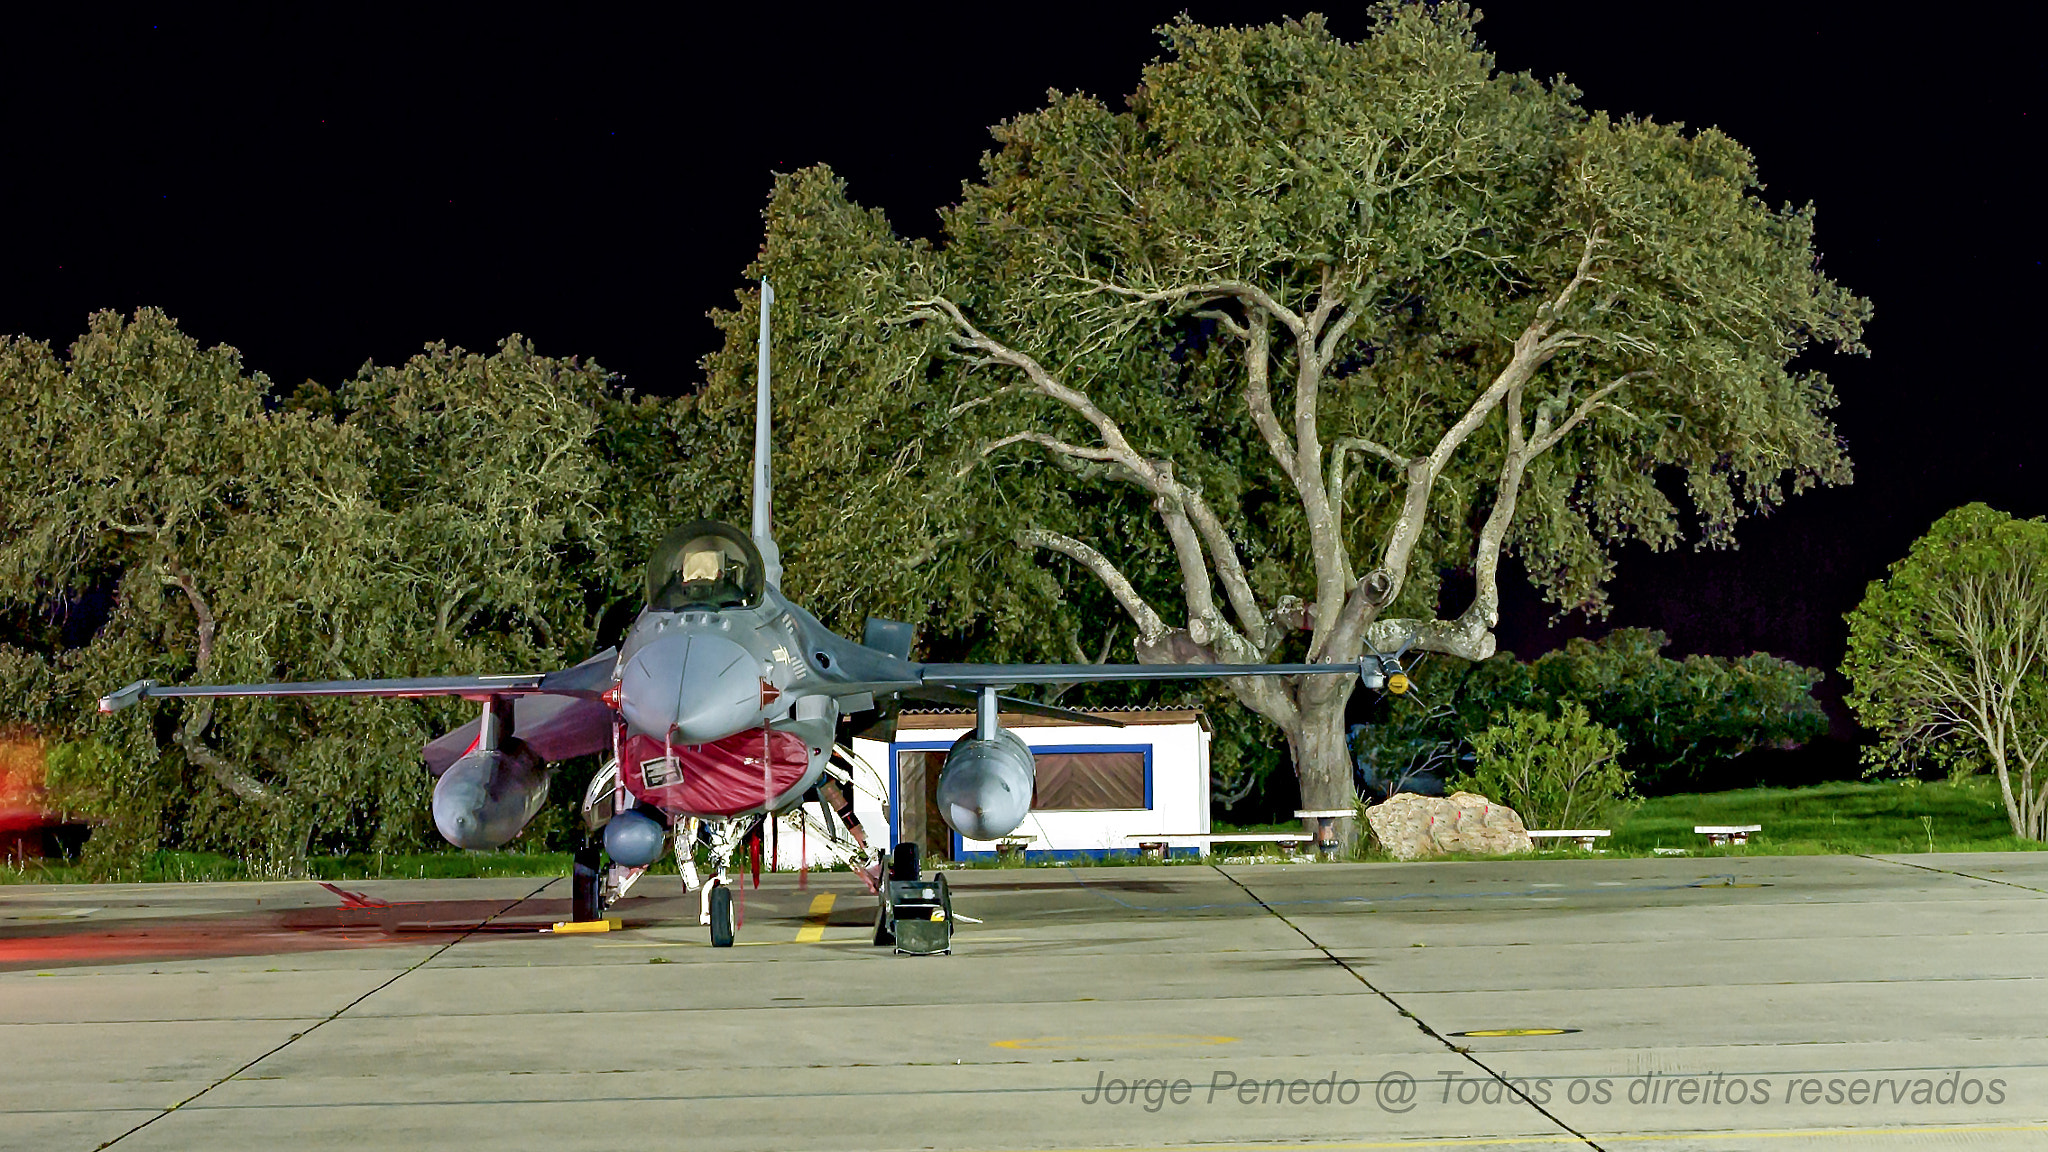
(1082, 781)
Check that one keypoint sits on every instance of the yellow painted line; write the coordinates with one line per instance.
(814, 924)
(1493, 1032)
(1603, 1138)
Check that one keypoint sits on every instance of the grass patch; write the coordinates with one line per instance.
(1826, 819)
(1845, 817)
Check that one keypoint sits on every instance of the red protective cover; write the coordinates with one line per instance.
(721, 779)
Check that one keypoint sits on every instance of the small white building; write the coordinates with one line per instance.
(1099, 787)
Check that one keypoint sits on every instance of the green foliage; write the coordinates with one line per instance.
(1841, 817)
(450, 514)
(1280, 153)
(1678, 718)
(1425, 208)
(1561, 772)
(1948, 658)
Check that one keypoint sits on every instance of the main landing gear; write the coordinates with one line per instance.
(915, 915)
(586, 885)
(595, 885)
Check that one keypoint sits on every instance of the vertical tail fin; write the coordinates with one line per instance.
(764, 538)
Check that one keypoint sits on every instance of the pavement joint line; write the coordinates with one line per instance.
(1953, 872)
(297, 1036)
(1432, 1033)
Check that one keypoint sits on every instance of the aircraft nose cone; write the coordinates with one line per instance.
(694, 687)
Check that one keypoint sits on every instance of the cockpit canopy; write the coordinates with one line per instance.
(704, 565)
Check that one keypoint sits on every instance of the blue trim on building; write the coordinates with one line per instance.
(961, 854)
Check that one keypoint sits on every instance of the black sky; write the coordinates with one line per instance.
(319, 188)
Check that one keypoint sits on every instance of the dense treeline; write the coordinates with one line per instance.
(1677, 719)
(177, 516)
(174, 515)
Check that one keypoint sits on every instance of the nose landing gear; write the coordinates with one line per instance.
(718, 913)
(717, 907)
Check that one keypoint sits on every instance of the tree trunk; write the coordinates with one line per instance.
(1322, 758)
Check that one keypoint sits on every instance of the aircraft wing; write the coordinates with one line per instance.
(1001, 675)
(961, 697)
(555, 727)
(585, 681)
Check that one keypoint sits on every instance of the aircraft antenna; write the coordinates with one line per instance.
(764, 539)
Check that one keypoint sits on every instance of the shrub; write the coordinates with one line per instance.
(1562, 772)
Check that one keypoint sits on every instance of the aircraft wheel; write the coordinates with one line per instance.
(903, 864)
(586, 886)
(721, 916)
(885, 930)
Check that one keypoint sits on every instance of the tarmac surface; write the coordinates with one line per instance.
(1742, 1003)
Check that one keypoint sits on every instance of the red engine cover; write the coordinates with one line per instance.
(721, 779)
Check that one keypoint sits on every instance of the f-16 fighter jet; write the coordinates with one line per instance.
(721, 707)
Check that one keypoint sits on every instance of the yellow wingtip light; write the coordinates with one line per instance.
(1397, 683)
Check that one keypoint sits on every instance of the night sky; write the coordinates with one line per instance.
(323, 189)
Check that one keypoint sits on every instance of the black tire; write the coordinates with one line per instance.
(586, 886)
(721, 916)
(903, 863)
(885, 932)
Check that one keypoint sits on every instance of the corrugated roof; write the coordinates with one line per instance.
(929, 718)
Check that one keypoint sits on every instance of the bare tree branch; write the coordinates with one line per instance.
(1544, 441)
(1075, 654)
(978, 401)
(1192, 296)
(1051, 444)
(1150, 626)
(189, 736)
(1237, 586)
(1382, 585)
(1258, 395)
(1197, 535)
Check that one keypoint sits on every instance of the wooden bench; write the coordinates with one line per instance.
(1585, 836)
(1012, 847)
(1155, 843)
(1326, 825)
(1727, 833)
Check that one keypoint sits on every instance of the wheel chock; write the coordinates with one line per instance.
(608, 924)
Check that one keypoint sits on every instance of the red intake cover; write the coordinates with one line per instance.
(721, 779)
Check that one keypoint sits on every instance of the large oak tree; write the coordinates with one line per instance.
(1259, 356)
(174, 519)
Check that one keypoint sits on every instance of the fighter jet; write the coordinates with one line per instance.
(720, 708)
